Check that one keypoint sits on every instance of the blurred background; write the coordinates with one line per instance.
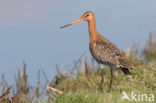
(29, 31)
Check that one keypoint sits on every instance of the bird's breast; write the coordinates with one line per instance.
(102, 52)
(95, 53)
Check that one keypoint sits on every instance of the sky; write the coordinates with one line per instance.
(29, 31)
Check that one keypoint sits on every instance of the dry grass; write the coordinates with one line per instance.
(83, 80)
(149, 51)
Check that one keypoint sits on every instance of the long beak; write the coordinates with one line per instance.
(76, 21)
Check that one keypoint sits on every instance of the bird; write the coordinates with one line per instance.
(103, 51)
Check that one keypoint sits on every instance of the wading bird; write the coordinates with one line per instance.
(103, 51)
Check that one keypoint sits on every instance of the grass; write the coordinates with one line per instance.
(83, 87)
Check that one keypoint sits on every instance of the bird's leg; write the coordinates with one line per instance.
(111, 79)
(102, 77)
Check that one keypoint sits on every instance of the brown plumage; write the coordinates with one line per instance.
(103, 51)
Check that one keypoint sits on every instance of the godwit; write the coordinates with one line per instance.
(103, 51)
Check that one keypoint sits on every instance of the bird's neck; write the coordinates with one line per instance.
(92, 30)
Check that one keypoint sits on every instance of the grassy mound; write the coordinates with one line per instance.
(84, 88)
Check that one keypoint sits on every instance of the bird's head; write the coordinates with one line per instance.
(87, 16)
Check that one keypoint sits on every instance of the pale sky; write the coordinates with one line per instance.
(29, 30)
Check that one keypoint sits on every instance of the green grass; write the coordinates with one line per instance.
(84, 88)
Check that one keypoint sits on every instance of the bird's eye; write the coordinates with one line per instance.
(87, 14)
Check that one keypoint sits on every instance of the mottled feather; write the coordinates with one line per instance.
(106, 52)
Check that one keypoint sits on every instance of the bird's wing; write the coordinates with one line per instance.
(104, 51)
(125, 63)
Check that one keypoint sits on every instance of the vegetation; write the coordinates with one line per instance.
(81, 84)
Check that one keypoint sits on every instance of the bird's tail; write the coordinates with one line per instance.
(124, 63)
(125, 71)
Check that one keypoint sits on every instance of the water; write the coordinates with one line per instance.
(29, 31)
